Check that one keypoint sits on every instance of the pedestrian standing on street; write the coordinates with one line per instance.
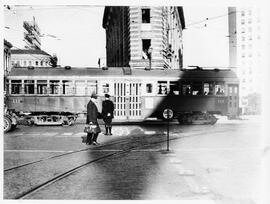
(107, 114)
(91, 119)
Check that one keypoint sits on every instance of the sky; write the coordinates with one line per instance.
(80, 38)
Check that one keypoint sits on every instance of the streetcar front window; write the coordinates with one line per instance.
(29, 87)
(220, 88)
(42, 87)
(16, 86)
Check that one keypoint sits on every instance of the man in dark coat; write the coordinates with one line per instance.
(92, 116)
(107, 114)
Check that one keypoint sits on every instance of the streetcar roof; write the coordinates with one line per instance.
(119, 72)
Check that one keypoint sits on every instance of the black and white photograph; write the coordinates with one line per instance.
(135, 101)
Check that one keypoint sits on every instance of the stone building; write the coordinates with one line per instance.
(7, 57)
(144, 37)
(245, 33)
(6, 61)
(30, 57)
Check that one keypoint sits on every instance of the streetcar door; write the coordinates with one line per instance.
(120, 89)
(134, 107)
(233, 100)
(127, 100)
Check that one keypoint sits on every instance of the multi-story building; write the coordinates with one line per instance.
(245, 42)
(144, 37)
(7, 57)
(27, 57)
(6, 60)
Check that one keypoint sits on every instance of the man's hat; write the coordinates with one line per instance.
(107, 96)
(94, 95)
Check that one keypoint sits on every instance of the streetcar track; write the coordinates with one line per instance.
(73, 170)
(91, 148)
(60, 155)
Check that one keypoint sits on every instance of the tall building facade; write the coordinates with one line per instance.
(144, 37)
(245, 42)
(7, 57)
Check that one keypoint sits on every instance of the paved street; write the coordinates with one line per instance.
(220, 163)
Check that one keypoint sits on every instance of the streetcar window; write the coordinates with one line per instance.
(80, 87)
(16, 86)
(54, 87)
(219, 88)
(67, 87)
(149, 88)
(209, 88)
(174, 88)
(29, 87)
(42, 87)
(162, 87)
(145, 15)
(197, 88)
(186, 88)
(105, 88)
(91, 87)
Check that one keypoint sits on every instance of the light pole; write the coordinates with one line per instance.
(149, 52)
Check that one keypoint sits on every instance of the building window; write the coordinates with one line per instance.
(146, 43)
(145, 15)
(24, 63)
(30, 63)
(36, 63)
(41, 63)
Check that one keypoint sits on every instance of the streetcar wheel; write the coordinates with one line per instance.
(7, 124)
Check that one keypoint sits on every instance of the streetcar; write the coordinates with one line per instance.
(60, 95)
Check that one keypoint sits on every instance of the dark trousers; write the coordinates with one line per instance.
(91, 137)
